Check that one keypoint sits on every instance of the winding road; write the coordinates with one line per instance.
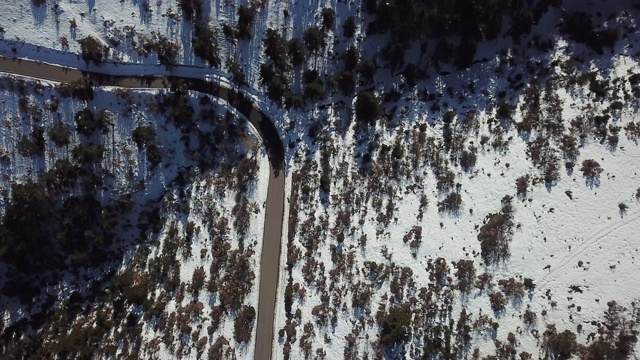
(274, 212)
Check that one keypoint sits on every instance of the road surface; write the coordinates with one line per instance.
(274, 212)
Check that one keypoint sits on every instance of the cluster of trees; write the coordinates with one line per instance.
(50, 214)
(81, 89)
(284, 56)
(204, 41)
(39, 230)
(166, 50)
(579, 27)
(413, 20)
(395, 326)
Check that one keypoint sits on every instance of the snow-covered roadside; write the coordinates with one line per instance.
(283, 277)
(129, 170)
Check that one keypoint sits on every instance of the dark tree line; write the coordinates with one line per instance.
(411, 21)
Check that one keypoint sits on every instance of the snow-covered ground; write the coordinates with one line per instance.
(570, 237)
(197, 211)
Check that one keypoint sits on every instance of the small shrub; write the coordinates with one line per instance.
(528, 284)
(60, 134)
(328, 18)
(522, 185)
(349, 27)
(496, 234)
(246, 17)
(623, 207)
(325, 183)
(368, 108)
(243, 324)
(591, 169)
(395, 326)
(93, 51)
(498, 302)
(451, 203)
(529, 317)
(560, 345)
(468, 158)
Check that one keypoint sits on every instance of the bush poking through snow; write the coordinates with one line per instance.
(243, 324)
(560, 346)
(591, 171)
(368, 108)
(246, 17)
(451, 203)
(522, 185)
(498, 301)
(60, 134)
(465, 274)
(529, 317)
(395, 326)
(512, 288)
(623, 208)
(349, 27)
(93, 51)
(496, 234)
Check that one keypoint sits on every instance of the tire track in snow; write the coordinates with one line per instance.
(600, 235)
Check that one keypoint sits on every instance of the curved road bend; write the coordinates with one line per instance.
(274, 212)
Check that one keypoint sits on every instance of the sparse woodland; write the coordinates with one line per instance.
(436, 152)
(91, 203)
